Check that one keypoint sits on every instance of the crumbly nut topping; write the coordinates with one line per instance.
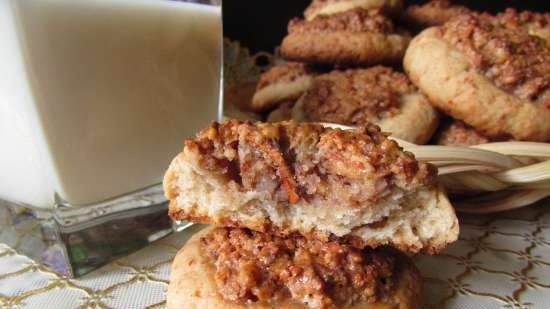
(287, 72)
(255, 267)
(435, 12)
(505, 52)
(533, 22)
(356, 20)
(293, 161)
(356, 97)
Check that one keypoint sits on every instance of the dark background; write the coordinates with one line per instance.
(261, 24)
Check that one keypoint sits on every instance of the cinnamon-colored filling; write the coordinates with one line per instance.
(356, 97)
(292, 161)
(355, 20)
(255, 267)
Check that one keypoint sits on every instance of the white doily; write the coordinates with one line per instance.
(499, 262)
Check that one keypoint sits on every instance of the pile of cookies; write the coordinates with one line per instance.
(468, 78)
(304, 216)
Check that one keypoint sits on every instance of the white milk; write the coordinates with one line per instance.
(96, 96)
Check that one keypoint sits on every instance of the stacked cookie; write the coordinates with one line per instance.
(304, 216)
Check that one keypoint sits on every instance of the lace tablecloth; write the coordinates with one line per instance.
(499, 262)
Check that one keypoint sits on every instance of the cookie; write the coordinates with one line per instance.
(237, 100)
(378, 95)
(280, 83)
(281, 113)
(354, 37)
(433, 13)
(291, 178)
(237, 269)
(456, 133)
(328, 7)
(487, 72)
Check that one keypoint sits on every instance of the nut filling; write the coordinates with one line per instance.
(537, 24)
(356, 97)
(291, 161)
(502, 48)
(257, 267)
(356, 20)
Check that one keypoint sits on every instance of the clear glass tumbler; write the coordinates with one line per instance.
(96, 98)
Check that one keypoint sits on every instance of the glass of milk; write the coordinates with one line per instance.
(97, 96)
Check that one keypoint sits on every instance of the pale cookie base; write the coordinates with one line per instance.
(346, 48)
(416, 122)
(269, 96)
(387, 6)
(454, 85)
(192, 285)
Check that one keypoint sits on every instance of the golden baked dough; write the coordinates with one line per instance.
(501, 88)
(193, 283)
(355, 37)
(377, 95)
